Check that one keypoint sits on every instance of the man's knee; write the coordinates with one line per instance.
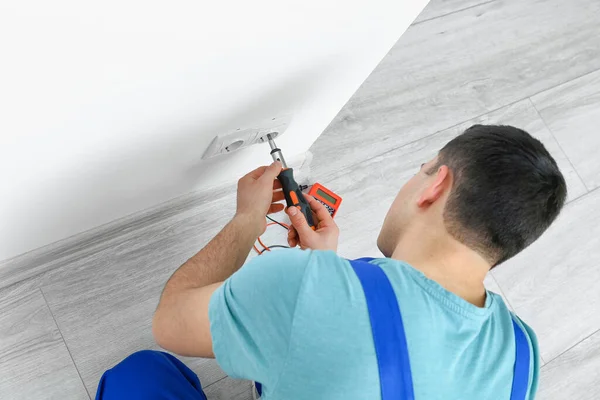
(147, 375)
(147, 364)
(142, 357)
(127, 375)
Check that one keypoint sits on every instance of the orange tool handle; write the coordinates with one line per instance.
(293, 195)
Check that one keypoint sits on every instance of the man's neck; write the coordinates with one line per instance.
(448, 262)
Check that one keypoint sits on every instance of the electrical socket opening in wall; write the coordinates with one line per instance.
(242, 137)
(264, 139)
(234, 146)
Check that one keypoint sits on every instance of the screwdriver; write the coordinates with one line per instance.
(291, 190)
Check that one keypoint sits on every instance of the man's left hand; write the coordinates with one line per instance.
(258, 194)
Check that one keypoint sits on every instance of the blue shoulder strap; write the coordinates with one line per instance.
(522, 359)
(390, 340)
(388, 332)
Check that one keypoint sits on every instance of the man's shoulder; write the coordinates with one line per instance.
(277, 263)
(328, 268)
(299, 259)
(290, 267)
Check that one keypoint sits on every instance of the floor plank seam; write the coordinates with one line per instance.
(343, 170)
(562, 83)
(581, 196)
(13, 286)
(65, 342)
(215, 382)
(571, 348)
(352, 166)
(501, 290)
(453, 12)
(558, 143)
(92, 243)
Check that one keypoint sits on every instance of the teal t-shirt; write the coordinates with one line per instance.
(297, 322)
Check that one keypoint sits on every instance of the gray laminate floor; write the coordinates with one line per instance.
(73, 309)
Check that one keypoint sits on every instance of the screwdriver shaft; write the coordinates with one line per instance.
(276, 152)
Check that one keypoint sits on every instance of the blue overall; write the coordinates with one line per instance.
(393, 362)
(153, 375)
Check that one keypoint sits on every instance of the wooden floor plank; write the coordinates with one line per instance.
(104, 303)
(575, 374)
(572, 112)
(553, 285)
(34, 361)
(457, 67)
(439, 8)
(369, 188)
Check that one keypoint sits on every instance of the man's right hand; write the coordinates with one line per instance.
(325, 237)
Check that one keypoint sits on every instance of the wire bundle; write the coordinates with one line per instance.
(268, 248)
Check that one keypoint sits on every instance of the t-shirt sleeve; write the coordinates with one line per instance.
(251, 315)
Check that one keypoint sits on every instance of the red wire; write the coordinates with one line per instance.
(263, 245)
(261, 242)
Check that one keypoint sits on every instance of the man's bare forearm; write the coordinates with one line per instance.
(220, 258)
(180, 323)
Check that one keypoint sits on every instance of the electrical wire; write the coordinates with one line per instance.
(273, 222)
(262, 244)
(268, 248)
(265, 247)
(273, 246)
(279, 223)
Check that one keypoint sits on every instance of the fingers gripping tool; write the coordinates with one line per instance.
(291, 190)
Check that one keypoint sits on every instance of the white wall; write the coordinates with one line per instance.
(107, 107)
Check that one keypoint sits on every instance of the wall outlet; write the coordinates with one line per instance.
(241, 137)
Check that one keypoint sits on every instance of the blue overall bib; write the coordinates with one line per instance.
(154, 375)
(390, 341)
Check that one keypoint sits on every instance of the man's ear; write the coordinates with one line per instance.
(436, 188)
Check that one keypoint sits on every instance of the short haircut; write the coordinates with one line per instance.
(507, 190)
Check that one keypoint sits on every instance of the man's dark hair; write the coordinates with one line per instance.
(507, 190)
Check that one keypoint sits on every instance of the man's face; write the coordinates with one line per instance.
(404, 209)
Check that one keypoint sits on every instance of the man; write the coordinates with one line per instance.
(298, 321)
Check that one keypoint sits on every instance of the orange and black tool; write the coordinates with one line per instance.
(291, 190)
